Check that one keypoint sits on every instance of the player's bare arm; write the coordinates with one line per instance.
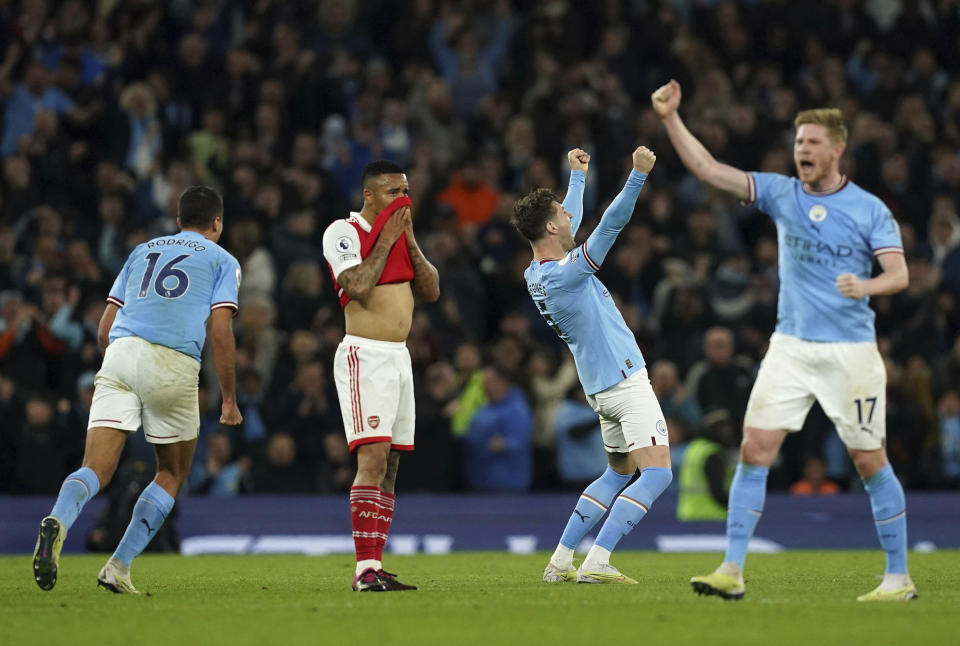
(579, 160)
(106, 322)
(697, 159)
(224, 361)
(426, 280)
(358, 282)
(894, 278)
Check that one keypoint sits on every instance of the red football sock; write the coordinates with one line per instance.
(383, 522)
(364, 512)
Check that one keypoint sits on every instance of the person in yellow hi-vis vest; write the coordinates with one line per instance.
(706, 470)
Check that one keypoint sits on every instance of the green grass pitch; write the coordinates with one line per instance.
(796, 597)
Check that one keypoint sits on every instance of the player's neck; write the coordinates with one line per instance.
(208, 234)
(827, 183)
(368, 214)
(547, 250)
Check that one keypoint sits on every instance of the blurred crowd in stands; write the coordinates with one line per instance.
(111, 108)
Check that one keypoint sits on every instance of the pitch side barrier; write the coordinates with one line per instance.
(440, 523)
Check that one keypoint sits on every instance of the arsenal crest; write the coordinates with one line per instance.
(373, 421)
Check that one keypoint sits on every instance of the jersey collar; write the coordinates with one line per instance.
(844, 180)
(362, 221)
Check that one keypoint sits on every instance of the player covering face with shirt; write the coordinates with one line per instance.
(829, 232)
(576, 305)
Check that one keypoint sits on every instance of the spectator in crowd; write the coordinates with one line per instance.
(707, 470)
(218, 474)
(814, 481)
(498, 442)
(720, 380)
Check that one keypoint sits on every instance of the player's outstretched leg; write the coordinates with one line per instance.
(591, 506)
(889, 508)
(748, 493)
(78, 487)
(631, 505)
(151, 510)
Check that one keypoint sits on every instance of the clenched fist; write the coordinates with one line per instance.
(666, 99)
(579, 160)
(643, 160)
(851, 286)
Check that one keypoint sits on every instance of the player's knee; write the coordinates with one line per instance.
(755, 453)
(867, 463)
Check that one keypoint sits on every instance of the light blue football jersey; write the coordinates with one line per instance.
(575, 303)
(168, 287)
(820, 236)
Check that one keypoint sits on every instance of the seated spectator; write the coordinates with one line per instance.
(218, 475)
(498, 442)
(814, 481)
(276, 470)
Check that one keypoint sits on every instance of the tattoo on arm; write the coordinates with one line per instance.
(426, 279)
(359, 280)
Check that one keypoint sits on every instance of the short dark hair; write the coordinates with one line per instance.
(198, 207)
(532, 212)
(378, 168)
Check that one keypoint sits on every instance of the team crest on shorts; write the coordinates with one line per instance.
(373, 421)
(661, 427)
(818, 213)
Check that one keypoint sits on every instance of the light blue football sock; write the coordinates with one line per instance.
(632, 505)
(78, 487)
(148, 515)
(747, 495)
(890, 516)
(593, 503)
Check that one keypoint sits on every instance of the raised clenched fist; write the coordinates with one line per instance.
(666, 99)
(643, 160)
(579, 160)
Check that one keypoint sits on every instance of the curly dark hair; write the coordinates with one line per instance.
(532, 212)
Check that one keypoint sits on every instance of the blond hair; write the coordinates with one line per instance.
(829, 118)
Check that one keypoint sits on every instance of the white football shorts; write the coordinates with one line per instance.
(630, 415)
(375, 387)
(145, 384)
(848, 379)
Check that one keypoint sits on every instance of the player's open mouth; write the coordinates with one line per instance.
(806, 164)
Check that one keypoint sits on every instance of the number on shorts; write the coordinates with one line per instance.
(861, 404)
(167, 271)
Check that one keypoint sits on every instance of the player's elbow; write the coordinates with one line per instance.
(431, 294)
(901, 280)
(358, 293)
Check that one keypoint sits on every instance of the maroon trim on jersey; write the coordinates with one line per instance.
(751, 190)
(882, 250)
(545, 260)
(844, 180)
(587, 257)
(115, 301)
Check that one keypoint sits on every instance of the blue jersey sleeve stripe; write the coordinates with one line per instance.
(116, 301)
(587, 257)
